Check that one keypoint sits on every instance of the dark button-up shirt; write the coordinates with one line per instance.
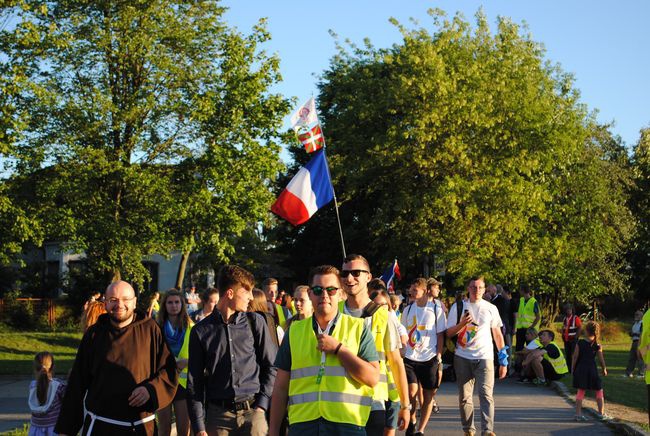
(228, 362)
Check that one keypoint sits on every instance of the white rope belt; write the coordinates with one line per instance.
(94, 417)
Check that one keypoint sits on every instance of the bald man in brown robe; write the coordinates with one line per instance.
(122, 374)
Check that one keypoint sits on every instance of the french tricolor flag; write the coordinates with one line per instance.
(309, 190)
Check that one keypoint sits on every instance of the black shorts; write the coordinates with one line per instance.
(376, 423)
(426, 373)
(549, 371)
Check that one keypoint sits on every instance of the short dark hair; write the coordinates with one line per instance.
(231, 275)
(525, 288)
(376, 284)
(475, 278)
(549, 332)
(269, 281)
(351, 257)
(322, 270)
(207, 294)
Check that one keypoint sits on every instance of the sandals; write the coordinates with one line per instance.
(580, 418)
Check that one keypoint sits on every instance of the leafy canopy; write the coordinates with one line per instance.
(466, 144)
(153, 119)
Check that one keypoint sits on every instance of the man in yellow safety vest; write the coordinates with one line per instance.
(327, 366)
(355, 275)
(528, 315)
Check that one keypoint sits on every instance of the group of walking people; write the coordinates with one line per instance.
(340, 360)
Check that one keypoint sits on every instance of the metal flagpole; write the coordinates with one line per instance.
(338, 219)
(336, 203)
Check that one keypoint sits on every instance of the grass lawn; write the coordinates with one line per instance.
(17, 350)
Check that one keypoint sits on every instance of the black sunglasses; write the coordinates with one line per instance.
(355, 272)
(318, 290)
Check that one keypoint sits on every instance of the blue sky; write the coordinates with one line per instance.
(606, 45)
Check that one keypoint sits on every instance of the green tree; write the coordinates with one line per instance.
(155, 118)
(468, 145)
(640, 204)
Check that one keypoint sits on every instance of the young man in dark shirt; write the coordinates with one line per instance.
(548, 363)
(228, 392)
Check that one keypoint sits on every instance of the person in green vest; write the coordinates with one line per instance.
(280, 314)
(528, 315)
(176, 325)
(327, 366)
(644, 353)
(548, 363)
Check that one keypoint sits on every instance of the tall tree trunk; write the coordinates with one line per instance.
(117, 276)
(181, 269)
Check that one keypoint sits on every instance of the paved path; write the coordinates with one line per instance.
(13, 402)
(520, 410)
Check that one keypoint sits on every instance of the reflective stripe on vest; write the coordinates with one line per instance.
(338, 397)
(559, 363)
(185, 354)
(570, 331)
(526, 313)
(379, 329)
(335, 397)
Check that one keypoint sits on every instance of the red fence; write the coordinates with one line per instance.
(40, 306)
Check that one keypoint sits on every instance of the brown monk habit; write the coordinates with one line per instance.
(111, 362)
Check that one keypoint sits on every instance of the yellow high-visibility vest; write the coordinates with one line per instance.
(526, 313)
(379, 326)
(644, 344)
(559, 363)
(338, 397)
(185, 354)
(282, 320)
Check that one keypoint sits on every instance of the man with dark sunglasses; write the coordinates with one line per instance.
(355, 276)
(327, 366)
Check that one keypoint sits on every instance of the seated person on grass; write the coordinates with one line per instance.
(546, 364)
(522, 357)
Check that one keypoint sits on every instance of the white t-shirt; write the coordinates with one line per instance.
(532, 345)
(423, 325)
(475, 341)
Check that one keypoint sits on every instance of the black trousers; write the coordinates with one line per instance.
(520, 339)
(568, 353)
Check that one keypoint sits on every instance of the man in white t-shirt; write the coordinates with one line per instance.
(425, 324)
(479, 324)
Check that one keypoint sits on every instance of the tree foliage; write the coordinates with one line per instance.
(640, 204)
(466, 144)
(151, 122)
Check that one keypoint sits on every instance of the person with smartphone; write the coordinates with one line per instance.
(479, 324)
